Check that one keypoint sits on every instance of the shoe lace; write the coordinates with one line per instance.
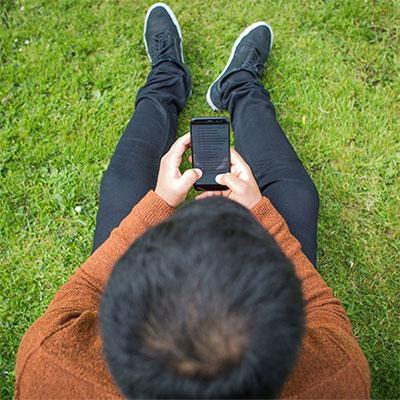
(252, 60)
(162, 44)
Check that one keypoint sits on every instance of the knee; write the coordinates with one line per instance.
(305, 194)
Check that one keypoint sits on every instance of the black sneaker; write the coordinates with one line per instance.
(162, 35)
(249, 53)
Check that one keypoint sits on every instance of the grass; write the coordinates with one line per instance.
(69, 71)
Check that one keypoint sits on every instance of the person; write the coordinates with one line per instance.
(220, 298)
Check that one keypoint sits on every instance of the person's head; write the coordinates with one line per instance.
(204, 305)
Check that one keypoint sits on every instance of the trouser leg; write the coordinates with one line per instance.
(276, 167)
(133, 168)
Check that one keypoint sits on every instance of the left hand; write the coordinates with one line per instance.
(242, 186)
(172, 186)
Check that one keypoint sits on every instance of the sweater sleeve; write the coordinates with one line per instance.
(84, 287)
(328, 328)
(317, 295)
(82, 293)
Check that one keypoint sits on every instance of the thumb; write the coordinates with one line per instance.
(230, 180)
(189, 177)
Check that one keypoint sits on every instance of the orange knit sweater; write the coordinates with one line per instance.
(60, 355)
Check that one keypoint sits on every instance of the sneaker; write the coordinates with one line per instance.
(249, 53)
(162, 35)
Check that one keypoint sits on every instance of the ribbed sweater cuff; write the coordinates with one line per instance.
(153, 209)
(266, 213)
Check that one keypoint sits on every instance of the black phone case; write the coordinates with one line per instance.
(204, 184)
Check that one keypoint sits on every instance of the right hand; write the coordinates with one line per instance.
(172, 186)
(242, 185)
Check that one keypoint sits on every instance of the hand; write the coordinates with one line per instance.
(242, 185)
(172, 186)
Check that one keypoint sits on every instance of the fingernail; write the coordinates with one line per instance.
(218, 178)
(198, 171)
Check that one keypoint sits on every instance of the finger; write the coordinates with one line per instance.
(232, 181)
(188, 178)
(178, 148)
(237, 159)
(235, 169)
(204, 195)
(208, 194)
(190, 159)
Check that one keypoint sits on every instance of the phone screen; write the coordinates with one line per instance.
(210, 150)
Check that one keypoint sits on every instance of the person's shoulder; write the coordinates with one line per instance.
(344, 383)
(78, 345)
(331, 364)
(49, 377)
(69, 360)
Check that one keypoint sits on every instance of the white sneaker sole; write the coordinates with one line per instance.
(174, 20)
(235, 45)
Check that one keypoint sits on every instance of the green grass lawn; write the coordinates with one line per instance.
(69, 72)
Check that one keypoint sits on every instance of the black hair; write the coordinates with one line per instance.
(204, 305)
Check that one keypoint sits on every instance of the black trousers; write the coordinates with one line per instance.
(134, 165)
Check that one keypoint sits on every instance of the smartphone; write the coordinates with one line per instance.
(210, 150)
